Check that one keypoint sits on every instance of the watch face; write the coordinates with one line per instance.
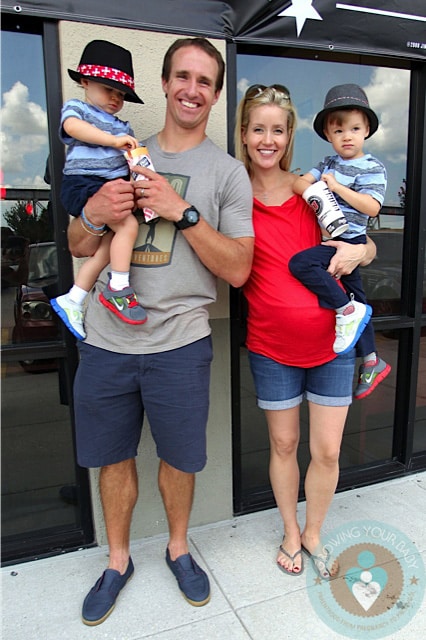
(191, 215)
(190, 218)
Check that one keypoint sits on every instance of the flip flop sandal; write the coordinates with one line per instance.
(319, 563)
(292, 558)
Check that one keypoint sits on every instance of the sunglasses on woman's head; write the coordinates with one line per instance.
(257, 89)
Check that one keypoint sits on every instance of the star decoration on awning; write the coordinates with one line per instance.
(302, 10)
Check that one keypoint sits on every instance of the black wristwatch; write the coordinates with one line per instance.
(190, 218)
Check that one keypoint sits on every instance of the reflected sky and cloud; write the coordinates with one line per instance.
(24, 137)
(24, 134)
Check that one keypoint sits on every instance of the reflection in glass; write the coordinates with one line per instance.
(24, 113)
(420, 420)
(29, 269)
(29, 280)
(382, 278)
(30, 218)
(35, 457)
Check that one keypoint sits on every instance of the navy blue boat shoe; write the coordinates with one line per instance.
(100, 601)
(192, 580)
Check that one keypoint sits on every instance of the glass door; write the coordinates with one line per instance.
(45, 500)
(375, 430)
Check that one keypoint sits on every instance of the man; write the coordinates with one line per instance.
(162, 368)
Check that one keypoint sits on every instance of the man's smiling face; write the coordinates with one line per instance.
(190, 89)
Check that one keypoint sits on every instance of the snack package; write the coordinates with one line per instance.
(140, 157)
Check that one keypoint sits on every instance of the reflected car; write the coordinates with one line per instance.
(382, 278)
(14, 259)
(35, 320)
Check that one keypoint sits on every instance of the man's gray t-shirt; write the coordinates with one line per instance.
(171, 283)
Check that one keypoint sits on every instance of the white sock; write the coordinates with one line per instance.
(119, 280)
(77, 294)
(342, 310)
(372, 357)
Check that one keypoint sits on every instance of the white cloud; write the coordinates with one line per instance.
(388, 95)
(21, 115)
(24, 129)
(33, 182)
(304, 123)
(243, 85)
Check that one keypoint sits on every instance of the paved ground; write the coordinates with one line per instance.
(251, 598)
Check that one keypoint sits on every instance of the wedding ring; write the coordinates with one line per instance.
(142, 192)
(337, 277)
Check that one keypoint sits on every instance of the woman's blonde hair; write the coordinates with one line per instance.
(258, 96)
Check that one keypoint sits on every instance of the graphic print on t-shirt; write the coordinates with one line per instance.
(155, 241)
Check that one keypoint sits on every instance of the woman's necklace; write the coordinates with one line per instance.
(265, 194)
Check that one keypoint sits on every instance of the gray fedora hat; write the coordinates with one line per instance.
(345, 96)
(110, 64)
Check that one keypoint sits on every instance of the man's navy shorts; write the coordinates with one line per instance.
(113, 391)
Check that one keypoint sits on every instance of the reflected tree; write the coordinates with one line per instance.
(29, 220)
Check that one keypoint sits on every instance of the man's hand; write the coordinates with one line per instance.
(157, 194)
(112, 203)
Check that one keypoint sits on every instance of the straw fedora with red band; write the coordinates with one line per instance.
(109, 64)
(345, 96)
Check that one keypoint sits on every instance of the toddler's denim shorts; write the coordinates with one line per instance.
(113, 391)
(279, 386)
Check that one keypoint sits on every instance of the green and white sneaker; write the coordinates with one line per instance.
(124, 304)
(350, 327)
(71, 315)
(370, 375)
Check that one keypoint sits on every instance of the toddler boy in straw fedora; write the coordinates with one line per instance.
(358, 181)
(96, 139)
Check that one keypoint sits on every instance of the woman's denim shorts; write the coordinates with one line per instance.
(279, 386)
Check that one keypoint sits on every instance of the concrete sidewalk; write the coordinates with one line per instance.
(251, 598)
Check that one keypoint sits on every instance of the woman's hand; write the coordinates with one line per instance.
(349, 256)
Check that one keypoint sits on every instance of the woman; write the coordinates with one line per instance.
(289, 336)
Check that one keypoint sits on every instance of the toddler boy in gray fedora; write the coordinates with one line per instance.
(96, 139)
(358, 181)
